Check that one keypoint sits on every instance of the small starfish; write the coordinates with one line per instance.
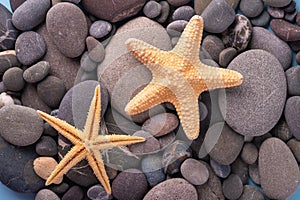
(87, 143)
(179, 77)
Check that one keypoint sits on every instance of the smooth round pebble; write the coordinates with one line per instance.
(178, 3)
(97, 192)
(232, 187)
(74, 192)
(285, 30)
(151, 145)
(152, 9)
(259, 108)
(13, 79)
(43, 167)
(277, 3)
(183, 13)
(20, 125)
(46, 146)
(278, 169)
(36, 72)
(251, 8)
(294, 145)
(175, 188)
(276, 13)
(86, 63)
(175, 28)
(51, 90)
(5, 99)
(290, 8)
(96, 49)
(214, 46)
(292, 115)
(100, 29)
(261, 20)
(30, 47)
(153, 169)
(293, 81)
(226, 56)
(130, 184)
(165, 10)
(221, 171)
(249, 153)
(46, 194)
(194, 171)
(67, 27)
(251, 193)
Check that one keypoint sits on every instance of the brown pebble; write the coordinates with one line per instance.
(43, 167)
(285, 30)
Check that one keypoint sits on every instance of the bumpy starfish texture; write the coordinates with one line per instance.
(87, 143)
(179, 77)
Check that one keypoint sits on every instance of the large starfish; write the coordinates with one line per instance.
(179, 77)
(87, 143)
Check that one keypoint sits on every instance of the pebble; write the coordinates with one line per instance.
(251, 8)
(161, 124)
(294, 145)
(219, 137)
(232, 187)
(37, 72)
(30, 14)
(46, 146)
(275, 12)
(278, 169)
(112, 11)
(218, 16)
(43, 167)
(51, 90)
(14, 4)
(261, 20)
(174, 155)
(59, 189)
(5, 100)
(291, 17)
(238, 35)
(24, 128)
(151, 145)
(257, 89)
(249, 153)
(96, 49)
(292, 115)
(13, 79)
(66, 19)
(264, 39)
(86, 63)
(285, 30)
(290, 8)
(175, 188)
(194, 171)
(226, 56)
(152, 9)
(293, 81)
(200, 6)
(74, 193)
(166, 140)
(178, 3)
(214, 46)
(165, 10)
(183, 13)
(277, 3)
(240, 168)
(46, 194)
(153, 169)
(8, 59)
(175, 28)
(100, 29)
(129, 184)
(282, 131)
(254, 173)
(97, 192)
(17, 166)
(8, 32)
(221, 171)
(251, 193)
(30, 47)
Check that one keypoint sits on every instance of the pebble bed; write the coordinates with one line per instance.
(53, 54)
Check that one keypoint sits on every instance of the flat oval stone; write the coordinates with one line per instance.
(278, 169)
(247, 116)
(264, 39)
(24, 128)
(183, 13)
(175, 28)
(249, 153)
(175, 188)
(194, 171)
(111, 10)
(277, 13)
(226, 56)
(232, 187)
(293, 81)
(292, 114)
(36, 72)
(152, 9)
(30, 47)
(67, 26)
(46, 194)
(221, 171)
(46, 146)
(277, 3)
(43, 167)
(100, 28)
(30, 14)
(8, 33)
(13, 79)
(214, 46)
(285, 30)
(8, 59)
(251, 8)
(98, 192)
(218, 16)
(261, 20)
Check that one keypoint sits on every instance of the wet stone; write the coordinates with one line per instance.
(36, 72)
(152, 9)
(221, 171)
(153, 169)
(46, 146)
(214, 46)
(13, 79)
(232, 187)
(100, 29)
(275, 12)
(261, 20)
(96, 49)
(194, 171)
(183, 13)
(151, 145)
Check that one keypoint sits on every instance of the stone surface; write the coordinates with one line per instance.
(153, 169)
(97, 192)
(294, 145)
(5, 99)
(282, 131)
(249, 153)
(277, 3)
(14, 4)
(275, 12)
(43, 167)
(152, 9)
(8, 59)
(165, 10)
(36, 72)
(46, 194)
(20, 125)
(67, 26)
(240, 168)
(254, 173)
(278, 169)
(113, 11)
(232, 187)
(151, 145)
(291, 114)
(251, 8)
(74, 192)
(194, 171)
(221, 171)
(175, 188)
(178, 3)
(226, 56)
(183, 13)
(261, 98)
(261, 20)
(175, 29)
(100, 29)
(13, 79)
(46, 146)
(200, 6)
(95, 48)
(285, 30)
(251, 193)
(87, 64)
(213, 45)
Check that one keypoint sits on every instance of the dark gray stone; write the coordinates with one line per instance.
(282, 131)
(13, 79)
(73, 193)
(294, 145)
(36, 72)
(221, 171)
(232, 187)
(251, 8)
(194, 171)
(8, 33)
(153, 169)
(178, 3)
(226, 56)
(152, 9)
(261, 20)
(275, 12)
(249, 153)
(8, 59)
(240, 168)
(285, 30)
(183, 13)
(214, 46)
(97, 192)
(175, 28)
(151, 145)
(251, 193)
(277, 3)
(165, 10)
(46, 146)
(86, 63)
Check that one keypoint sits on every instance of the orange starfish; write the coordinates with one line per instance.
(87, 143)
(179, 77)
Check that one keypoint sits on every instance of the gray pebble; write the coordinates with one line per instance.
(293, 81)
(165, 10)
(183, 13)
(88, 76)
(46, 194)
(249, 153)
(200, 6)
(240, 168)
(214, 46)
(277, 3)
(294, 145)
(151, 145)
(178, 3)
(292, 114)
(20, 125)
(282, 131)
(74, 192)
(261, 20)
(275, 12)
(251, 8)
(5, 100)
(8, 59)
(8, 33)
(232, 187)
(194, 171)
(254, 173)
(36, 72)
(30, 47)
(46, 146)
(13, 79)
(152, 9)
(49, 130)
(100, 29)
(221, 171)
(251, 193)
(175, 28)
(97, 192)
(86, 63)
(226, 56)
(153, 169)
(96, 49)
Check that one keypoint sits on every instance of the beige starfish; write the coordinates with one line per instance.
(87, 143)
(179, 77)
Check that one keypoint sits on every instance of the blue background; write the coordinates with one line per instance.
(6, 193)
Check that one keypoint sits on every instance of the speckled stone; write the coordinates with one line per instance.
(277, 3)
(97, 192)
(100, 29)
(43, 167)
(240, 168)
(261, 20)
(292, 115)
(152, 9)
(13, 79)
(282, 131)
(232, 187)
(251, 193)
(86, 63)
(249, 153)
(194, 171)
(251, 8)
(36, 72)
(46, 194)
(275, 12)
(254, 173)
(74, 192)
(294, 145)
(214, 46)
(285, 30)
(165, 10)
(221, 171)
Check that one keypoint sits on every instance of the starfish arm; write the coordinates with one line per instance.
(91, 127)
(67, 130)
(75, 155)
(188, 45)
(96, 163)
